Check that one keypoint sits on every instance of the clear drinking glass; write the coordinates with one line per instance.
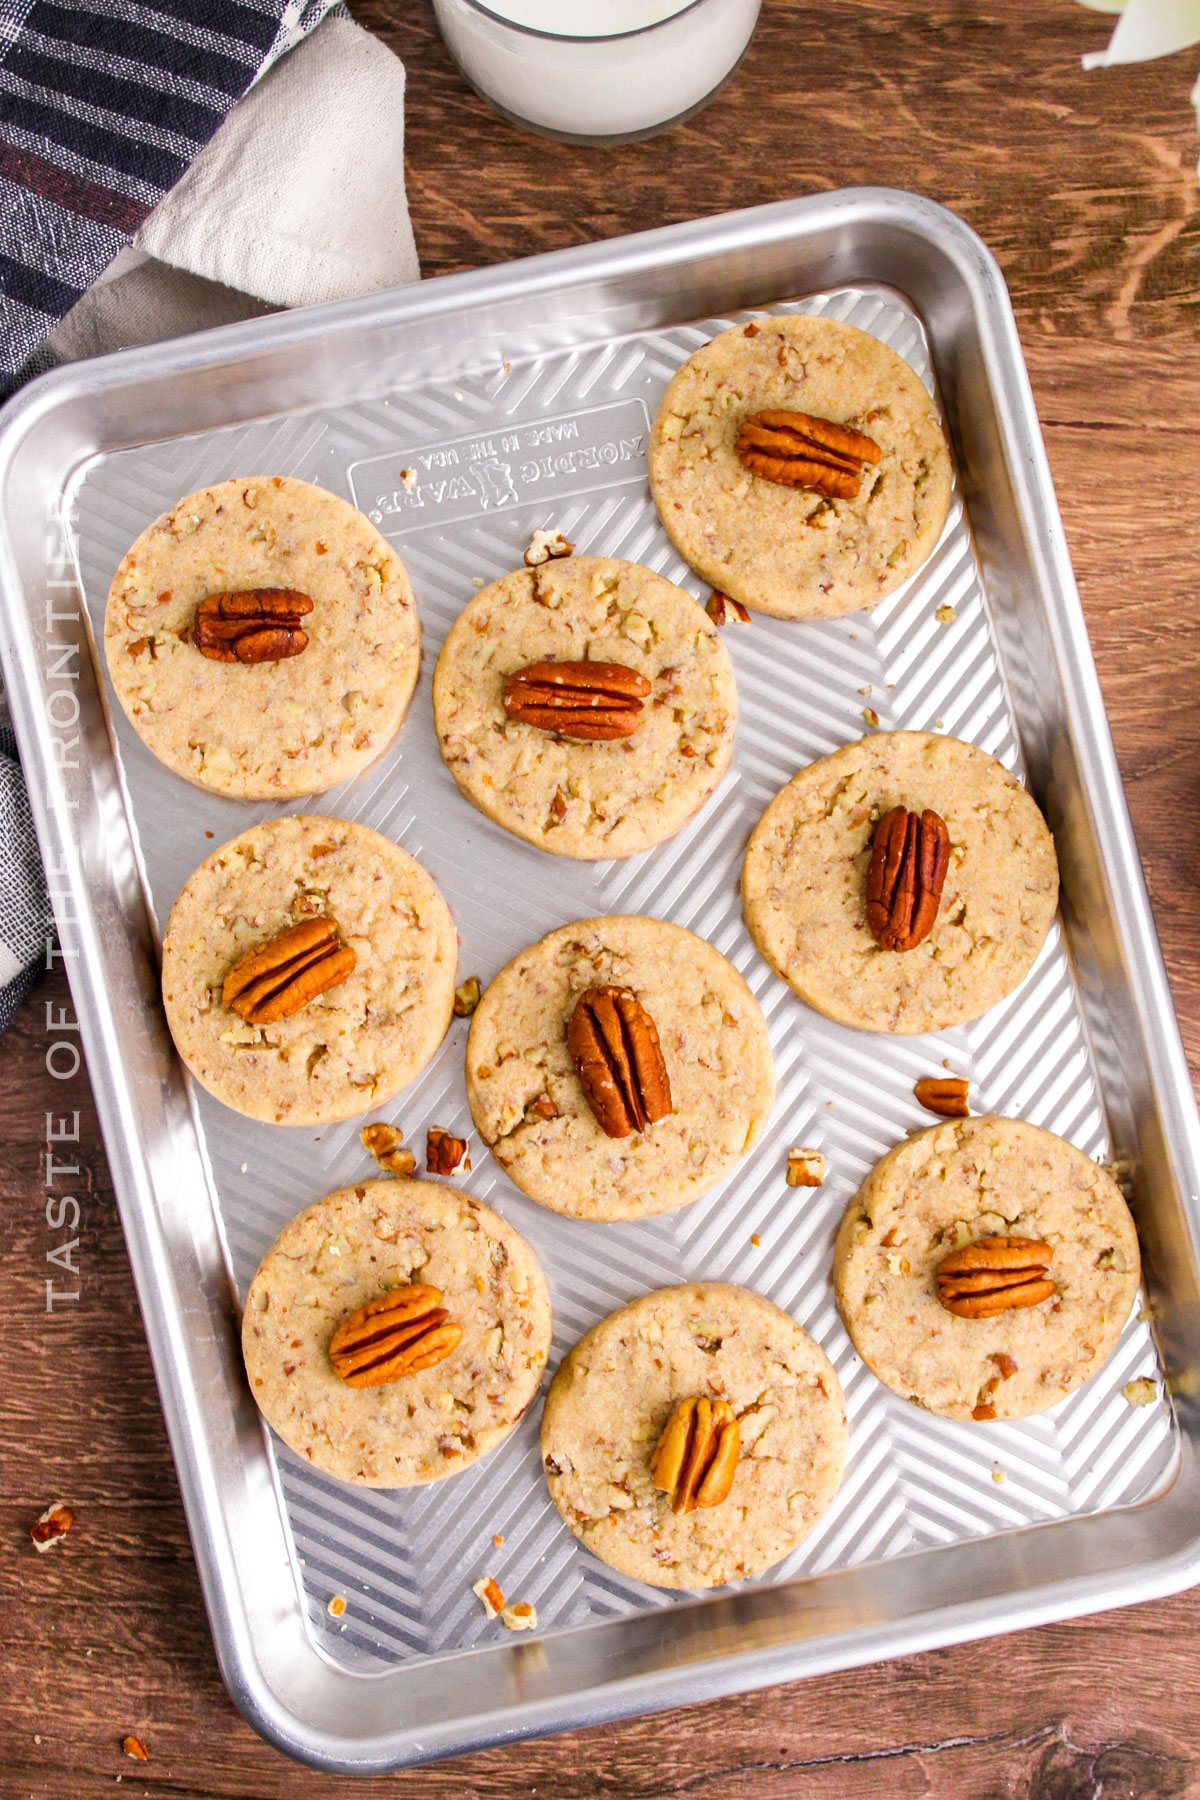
(592, 86)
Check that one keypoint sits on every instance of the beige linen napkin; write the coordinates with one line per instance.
(298, 198)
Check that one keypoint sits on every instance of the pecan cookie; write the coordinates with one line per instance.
(985, 1269)
(368, 1247)
(308, 970)
(619, 1068)
(797, 463)
(262, 638)
(815, 890)
(617, 1403)
(587, 705)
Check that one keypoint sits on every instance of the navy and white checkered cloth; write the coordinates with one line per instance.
(103, 105)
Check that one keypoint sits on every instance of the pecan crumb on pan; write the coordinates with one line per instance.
(719, 606)
(805, 1168)
(943, 1094)
(544, 545)
(384, 1141)
(444, 1152)
(466, 997)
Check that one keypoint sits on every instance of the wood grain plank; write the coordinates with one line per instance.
(1084, 185)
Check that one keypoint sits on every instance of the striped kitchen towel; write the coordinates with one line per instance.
(104, 105)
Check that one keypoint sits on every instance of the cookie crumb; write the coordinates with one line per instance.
(521, 1617)
(999, 1476)
(871, 716)
(409, 478)
(1140, 1392)
(945, 615)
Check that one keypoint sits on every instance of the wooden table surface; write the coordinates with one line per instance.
(1085, 187)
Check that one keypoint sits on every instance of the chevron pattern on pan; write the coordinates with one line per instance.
(405, 1561)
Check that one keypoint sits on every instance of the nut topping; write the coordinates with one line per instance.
(910, 854)
(257, 626)
(614, 1043)
(444, 1151)
(805, 1168)
(944, 1094)
(797, 450)
(696, 1457)
(718, 606)
(289, 970)
(995, 1275)
(586, 700)
(384, 1143)
(52, 1526)
(403, 1331)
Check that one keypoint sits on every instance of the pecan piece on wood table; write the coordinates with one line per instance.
(257, 626)
(910, 854)
(402, 1332)
(614, 1043)
(995, 1275)
(585, 700)
(288, 971)
(798, 450)
(696, 1457)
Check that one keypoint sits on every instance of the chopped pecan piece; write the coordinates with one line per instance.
(466, 997)
(614, 1043)
(797, 450)
(289, 970)
(134, 1747)
(488, 1591)
(718, 606)
(696, 1457)
(994, 1275)
(591, 701)
(257, 626)
(910, 854)
(544, 545)
(384, 1141)
(943, 1094)
(805, 1168)
(52, 1526)
(443, 1151)
(402, 1332)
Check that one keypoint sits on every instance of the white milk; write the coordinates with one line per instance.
(589, 81)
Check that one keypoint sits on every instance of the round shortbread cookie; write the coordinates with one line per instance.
(947, 1187)
(714, 1043)
(352, 1046)
(598, 799)
(785, 550)
(353, 1246)
(614, 1393)
(272, 730)
(803, 884)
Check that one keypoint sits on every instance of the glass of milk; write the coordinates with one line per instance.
(597, 71)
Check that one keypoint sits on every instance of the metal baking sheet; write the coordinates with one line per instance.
(522, 398)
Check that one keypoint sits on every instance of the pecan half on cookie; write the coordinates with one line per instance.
(798, 450)
(281, 976)
(994, 1275)
(585, 700)
(614, 1043)
(696, 1457)
(401, 1333)
(910, 854)
(257, 626)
